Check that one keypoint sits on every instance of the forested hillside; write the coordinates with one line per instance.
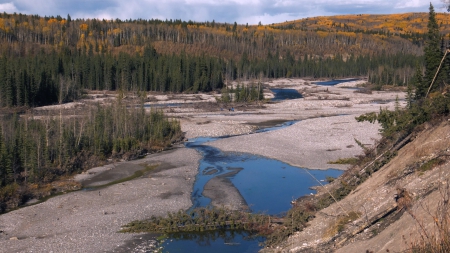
(40, 55)
(54, 60)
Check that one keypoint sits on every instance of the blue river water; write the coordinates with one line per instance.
(283, 94)
(267, 185)
(223, 241)
(334, 82)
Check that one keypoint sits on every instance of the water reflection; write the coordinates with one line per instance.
(267, 185)
(283, 94)
(212, 241)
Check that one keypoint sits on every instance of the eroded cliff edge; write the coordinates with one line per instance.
(397, 205)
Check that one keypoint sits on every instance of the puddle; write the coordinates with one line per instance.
(283, 94)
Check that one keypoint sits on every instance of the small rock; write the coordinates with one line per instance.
(14, 238)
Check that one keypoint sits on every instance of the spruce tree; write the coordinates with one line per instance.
(3, 172)
(433, 56)
(417, 81)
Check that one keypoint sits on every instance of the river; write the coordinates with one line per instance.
(267, 186)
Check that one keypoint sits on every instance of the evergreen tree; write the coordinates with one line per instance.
(3, 170)
(417, 81)
(433, 56)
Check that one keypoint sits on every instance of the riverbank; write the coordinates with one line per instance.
(326, 130)
(88, 221)
(310, 143)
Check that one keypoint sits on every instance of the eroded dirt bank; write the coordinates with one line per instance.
(396, 206)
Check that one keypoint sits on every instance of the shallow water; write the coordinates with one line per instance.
(334, 82)
(267, 185)
(283, 94)
(276, 127)
(215, 241)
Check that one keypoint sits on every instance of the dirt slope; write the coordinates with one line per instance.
(394, 206)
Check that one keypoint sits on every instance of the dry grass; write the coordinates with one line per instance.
(350, 160)
(437, 238)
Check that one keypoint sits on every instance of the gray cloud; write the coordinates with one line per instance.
(251, 11)
(8, 7)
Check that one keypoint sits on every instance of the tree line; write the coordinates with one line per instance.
(39, 80)
(37, 150)
(44, 78)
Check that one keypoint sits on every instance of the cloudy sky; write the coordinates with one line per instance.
(241, 11)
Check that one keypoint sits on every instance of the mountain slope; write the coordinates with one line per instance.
(347, 34)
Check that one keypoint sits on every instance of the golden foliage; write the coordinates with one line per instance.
(84, 27)
(52, 21)
(405, 23)
(353, 34)
(322, 34)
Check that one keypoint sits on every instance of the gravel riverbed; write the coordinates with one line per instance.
(88, 221)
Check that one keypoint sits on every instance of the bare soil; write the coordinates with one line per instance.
(397, 205)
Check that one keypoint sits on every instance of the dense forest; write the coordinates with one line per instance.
(39, 79)
(42, 55)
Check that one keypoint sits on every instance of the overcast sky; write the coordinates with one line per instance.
(241, 11)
